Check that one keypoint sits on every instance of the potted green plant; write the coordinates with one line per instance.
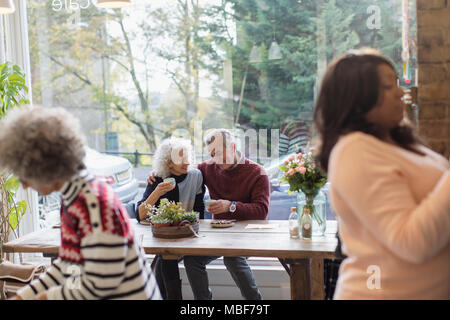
(158, 221)
(170, 220)
(13, 93)
(190, 217)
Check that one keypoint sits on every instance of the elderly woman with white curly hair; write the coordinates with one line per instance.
(173, 159)
(98, 258)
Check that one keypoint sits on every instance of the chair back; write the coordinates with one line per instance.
(131, 209)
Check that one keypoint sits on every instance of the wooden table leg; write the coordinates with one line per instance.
(317, 281)
(285, 265)
(300, 279)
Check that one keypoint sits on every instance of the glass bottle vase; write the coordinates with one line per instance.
(316, 202)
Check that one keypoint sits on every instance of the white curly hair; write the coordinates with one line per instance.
(41, 145)
(169, 150)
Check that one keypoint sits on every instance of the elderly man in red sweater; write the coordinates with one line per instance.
(241, 189)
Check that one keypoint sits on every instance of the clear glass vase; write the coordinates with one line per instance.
(316, 202)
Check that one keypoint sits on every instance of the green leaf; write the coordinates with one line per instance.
(16, 213)
(13, 221)
(16, 78)
(12, 184)
(22, 207)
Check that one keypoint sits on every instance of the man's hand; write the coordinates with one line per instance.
(41, 296)
(151, 178)
(220, 206)
(163, 188)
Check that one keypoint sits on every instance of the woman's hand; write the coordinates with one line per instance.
(162, 188)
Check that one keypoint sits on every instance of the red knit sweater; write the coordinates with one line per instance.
(247, 184)
(98, 258)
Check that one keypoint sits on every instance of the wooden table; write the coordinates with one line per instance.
(302, 259)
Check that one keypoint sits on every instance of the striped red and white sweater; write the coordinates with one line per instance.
(98, 257)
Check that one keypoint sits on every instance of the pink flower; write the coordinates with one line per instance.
(312, 149)
(291, 157)
(286, 163)
(299, 155)
(302, 170)
(291, 172)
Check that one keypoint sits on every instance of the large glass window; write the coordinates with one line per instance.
(180, 67)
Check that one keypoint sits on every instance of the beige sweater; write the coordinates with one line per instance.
(393, 209)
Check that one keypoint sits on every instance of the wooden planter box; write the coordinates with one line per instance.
(175, 232)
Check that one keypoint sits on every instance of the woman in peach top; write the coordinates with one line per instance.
(390, 193)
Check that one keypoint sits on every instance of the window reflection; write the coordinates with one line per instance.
(140, 74)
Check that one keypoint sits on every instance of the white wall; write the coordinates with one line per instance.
(271, 278)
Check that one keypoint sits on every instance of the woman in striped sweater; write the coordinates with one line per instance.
(98, 257)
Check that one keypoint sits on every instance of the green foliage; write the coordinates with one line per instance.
(192, 216)
(170, 212)
(12, 184)
(13, 93)
(277, 91)
(13, 89)
(160, 220)
(16, 213)
(18, 209)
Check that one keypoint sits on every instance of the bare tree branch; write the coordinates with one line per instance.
(75, 73)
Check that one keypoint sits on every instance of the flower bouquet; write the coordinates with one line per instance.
(170, 220)
(302, 174)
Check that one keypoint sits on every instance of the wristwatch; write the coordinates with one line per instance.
(233, 206)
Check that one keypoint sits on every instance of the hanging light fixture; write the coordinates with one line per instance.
(274, 50)
(113, 3)
(255, 56)
(7, 6)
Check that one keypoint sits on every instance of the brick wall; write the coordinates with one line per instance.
(433, 33)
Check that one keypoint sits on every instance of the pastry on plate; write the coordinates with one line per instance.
(222, 223)
(145, 222)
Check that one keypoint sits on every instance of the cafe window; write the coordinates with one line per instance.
(140, 74)
(137, 75)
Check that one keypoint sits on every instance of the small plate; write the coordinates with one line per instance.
(221, 224)
(145, 222)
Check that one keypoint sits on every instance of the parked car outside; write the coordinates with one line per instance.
(280, 200)
(115, 171)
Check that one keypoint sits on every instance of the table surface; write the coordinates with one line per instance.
(234, 241)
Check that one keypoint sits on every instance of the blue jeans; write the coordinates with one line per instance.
(238, 268)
